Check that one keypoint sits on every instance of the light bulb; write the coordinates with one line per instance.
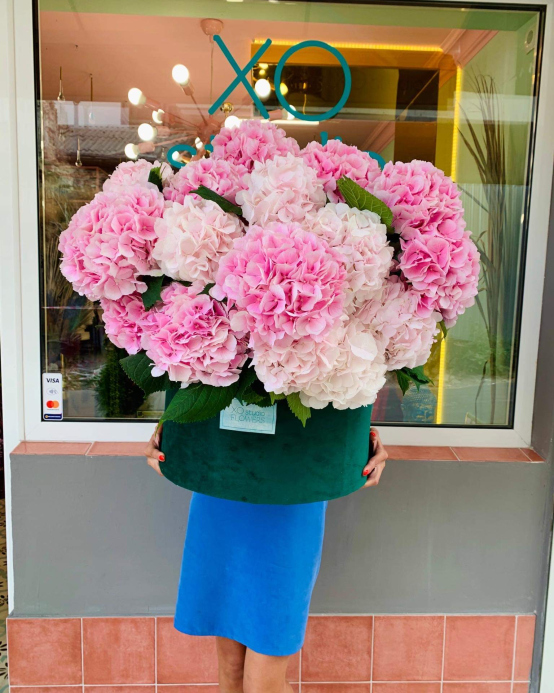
(232, 122)
(147, 132)
(283, 89)
(176, 156)
(158, 116)
(262, 72)
(131, 151)
(180, 74)
(262, 88)
(136, 97)
(198, 143)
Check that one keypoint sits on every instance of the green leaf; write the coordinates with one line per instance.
(298, 409)
(154, 290)
(444, 329)
(139, 369)
(276, 398)
(206, 289)
(225, 205)
(198, 402)
(355, 196)
(251, 390)
(407, 376)
(155, 176)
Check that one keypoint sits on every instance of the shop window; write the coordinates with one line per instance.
(453, 85)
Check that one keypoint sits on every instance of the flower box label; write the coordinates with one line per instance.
(248, 418)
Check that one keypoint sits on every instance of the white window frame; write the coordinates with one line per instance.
(22, 356)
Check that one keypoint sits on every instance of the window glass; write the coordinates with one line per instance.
(454, 86)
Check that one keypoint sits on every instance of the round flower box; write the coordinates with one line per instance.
(322, 461)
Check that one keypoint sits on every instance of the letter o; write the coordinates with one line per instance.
(180, 148)
(347, 80)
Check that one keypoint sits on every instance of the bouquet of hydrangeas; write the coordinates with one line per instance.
(267, 272)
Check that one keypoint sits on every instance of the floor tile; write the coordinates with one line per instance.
(411, 687)
(477, 687)
(420, 452)
(408, 648)
(479, 648)
(46, 689)
(525, 639)
(189, 689)
(336, 687)
(118, 650)
(184, 658)
(45, 651)
(491, 454)
(521, 687)
(119, 689)
(532, 455)
(337, 648)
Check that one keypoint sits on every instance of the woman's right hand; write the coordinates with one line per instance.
(153, 454)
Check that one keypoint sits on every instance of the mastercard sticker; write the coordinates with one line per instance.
(52, 397)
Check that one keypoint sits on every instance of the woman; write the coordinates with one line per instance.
(247, 578)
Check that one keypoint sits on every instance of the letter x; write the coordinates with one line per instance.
(241, 76)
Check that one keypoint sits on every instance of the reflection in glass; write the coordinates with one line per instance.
(449, 85)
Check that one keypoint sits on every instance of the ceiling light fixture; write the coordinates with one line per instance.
(262, 88)
(131, 151)
(136, 97)
(147, 132)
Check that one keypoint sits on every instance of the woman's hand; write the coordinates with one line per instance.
(152, 451)
(376, 463)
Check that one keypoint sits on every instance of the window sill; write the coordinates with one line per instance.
(396, 452)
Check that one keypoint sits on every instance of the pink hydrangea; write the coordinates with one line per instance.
(361, 238)
(403, 335)
(252, 140)
(108, 243)
(357, 372)
(131, 173)
(281, 189)
(438, 257)
(284, 281)
(192, 339)
(422, 199)
(193, 237)
(223, 177)
(333, 160)
(125, 321)
(291, 364)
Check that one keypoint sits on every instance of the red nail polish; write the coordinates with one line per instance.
(162, 458)
(365, 472)
(373, 434)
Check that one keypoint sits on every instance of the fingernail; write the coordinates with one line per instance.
(365, 472)
(373, 434)
(162, 458)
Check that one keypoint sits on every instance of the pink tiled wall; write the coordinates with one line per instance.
(342, 654)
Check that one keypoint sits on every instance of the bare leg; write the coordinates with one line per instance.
(265, 674)
(230, 658)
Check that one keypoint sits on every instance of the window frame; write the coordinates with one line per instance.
(23, 354)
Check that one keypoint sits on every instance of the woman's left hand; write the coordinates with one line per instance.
(376, 463)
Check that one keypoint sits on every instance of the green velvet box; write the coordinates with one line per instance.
(322, 461)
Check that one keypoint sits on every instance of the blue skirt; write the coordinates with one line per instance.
(248, 572)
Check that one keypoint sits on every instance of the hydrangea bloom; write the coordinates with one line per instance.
(356, 374)
(218, 175)
(192, 339)
(280, 189)
(438, 256)
(284, 281)
(252, 140)
(445, 274)
(333, 160)
(362, 240)
(291, 364)
(109, 242)
(192, 238)
(125, 321)
(130, 173)
(403, 336)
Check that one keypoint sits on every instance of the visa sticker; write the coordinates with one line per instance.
(52, 397)
(248, 418)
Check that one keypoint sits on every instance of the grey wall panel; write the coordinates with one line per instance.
(100, 535)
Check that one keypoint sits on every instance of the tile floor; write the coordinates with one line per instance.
(341, 654)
